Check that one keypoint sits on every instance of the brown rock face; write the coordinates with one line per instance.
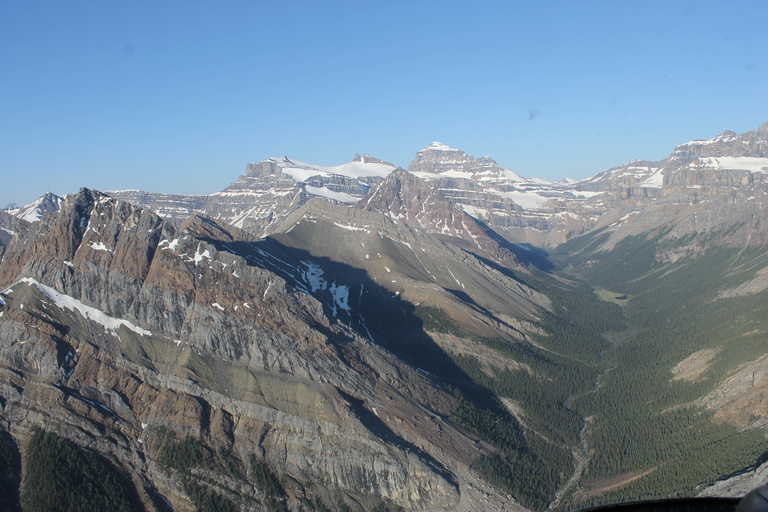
(114, 325)
(419, 204)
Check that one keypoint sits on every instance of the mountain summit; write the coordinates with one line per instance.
(420, 205)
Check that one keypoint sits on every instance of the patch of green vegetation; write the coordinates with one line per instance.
(269, 485)
(10, 474)
(579, 248)
(61, 477)
(230, 463)
(182, 456)
(436, 320)
(206, 499)
(620, 299)
(533, 461)
(530, 469)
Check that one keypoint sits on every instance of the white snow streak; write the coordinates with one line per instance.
(109, 323)
(313, 276)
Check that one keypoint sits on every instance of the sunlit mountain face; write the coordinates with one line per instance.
(450, 336)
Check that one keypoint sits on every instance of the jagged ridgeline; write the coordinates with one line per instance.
(399, 340)
(184, 355)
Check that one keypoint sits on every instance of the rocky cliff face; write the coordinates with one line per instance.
(519, 209)
(419, 204)
(546, 214)
(269, 191)
(418, 267)
(114, 324)
(703, 186)
(9, 226)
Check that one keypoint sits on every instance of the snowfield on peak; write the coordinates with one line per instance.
(35, 210)
(438, 146)
(741, 163)
(302, 171)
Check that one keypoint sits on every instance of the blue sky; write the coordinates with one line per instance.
(178, 96)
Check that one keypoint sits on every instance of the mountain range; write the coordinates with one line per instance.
(453, 336)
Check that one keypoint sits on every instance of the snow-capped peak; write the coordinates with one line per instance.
(360, 168)
(438, 146)
(35, 210)
(726, 136)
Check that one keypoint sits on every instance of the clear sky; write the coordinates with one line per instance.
(178, 96)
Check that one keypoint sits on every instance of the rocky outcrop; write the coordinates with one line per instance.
(437, 158)
(740, 399)
(420, 205)
(269, 191)
(10, 225)
(114, 325)
(738, 485)
(752, 143)
(521, 210)
(418, 267)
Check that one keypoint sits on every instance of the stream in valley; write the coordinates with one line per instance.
(581, 454)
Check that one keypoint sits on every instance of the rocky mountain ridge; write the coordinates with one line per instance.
(419, 268)
(269, 191)
(521, 210)
(420, 205)
(35, 210)
(120, 325)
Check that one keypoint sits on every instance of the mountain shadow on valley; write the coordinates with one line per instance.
(374, 312)
(527, 254)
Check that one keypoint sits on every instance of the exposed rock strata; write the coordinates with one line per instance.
(114, 324)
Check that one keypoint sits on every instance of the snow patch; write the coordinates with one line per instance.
(109, 323)
(742, 163)
(352, 228)
(313, 276)
(438, 146)
(171, 245)
(99, 246)
(330, 194)
(655, 180)
(200, 255)
(340, 297)
(302, 171)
